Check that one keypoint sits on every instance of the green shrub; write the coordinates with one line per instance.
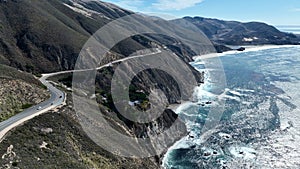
(26, 106)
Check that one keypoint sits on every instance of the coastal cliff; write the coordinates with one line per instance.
(31, 43)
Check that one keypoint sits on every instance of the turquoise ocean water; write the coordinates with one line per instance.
(260, 127)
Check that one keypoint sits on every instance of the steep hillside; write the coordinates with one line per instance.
(47, 35)
(18, 91)
(55, 140)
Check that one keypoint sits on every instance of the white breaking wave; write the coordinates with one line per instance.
(248, 49)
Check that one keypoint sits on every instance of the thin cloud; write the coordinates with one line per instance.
(295, 9)
(133, 5)
(175, 4)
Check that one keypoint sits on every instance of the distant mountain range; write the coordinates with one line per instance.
(237, 33)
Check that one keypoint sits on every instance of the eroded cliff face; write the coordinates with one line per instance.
(162, 86)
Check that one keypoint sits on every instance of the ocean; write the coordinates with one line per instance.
(260, 126)
(289, 29)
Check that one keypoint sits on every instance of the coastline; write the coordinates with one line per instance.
(175, 107)
(249, 48)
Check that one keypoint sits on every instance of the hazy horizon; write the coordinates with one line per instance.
(276, 12)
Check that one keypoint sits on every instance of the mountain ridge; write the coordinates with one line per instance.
(241, 33)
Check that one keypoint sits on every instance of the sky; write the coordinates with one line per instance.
(275, 12)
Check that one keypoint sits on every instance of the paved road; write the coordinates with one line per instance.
(56, 99)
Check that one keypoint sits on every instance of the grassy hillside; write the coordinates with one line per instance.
(66, 146)
(36, 35)
(18, 90)
(47, 35)
(12, 73)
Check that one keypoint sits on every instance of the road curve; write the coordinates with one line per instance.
(56, 99)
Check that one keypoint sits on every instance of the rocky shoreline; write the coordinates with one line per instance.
(248, 48)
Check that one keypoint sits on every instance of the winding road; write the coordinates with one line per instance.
(56, 99)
